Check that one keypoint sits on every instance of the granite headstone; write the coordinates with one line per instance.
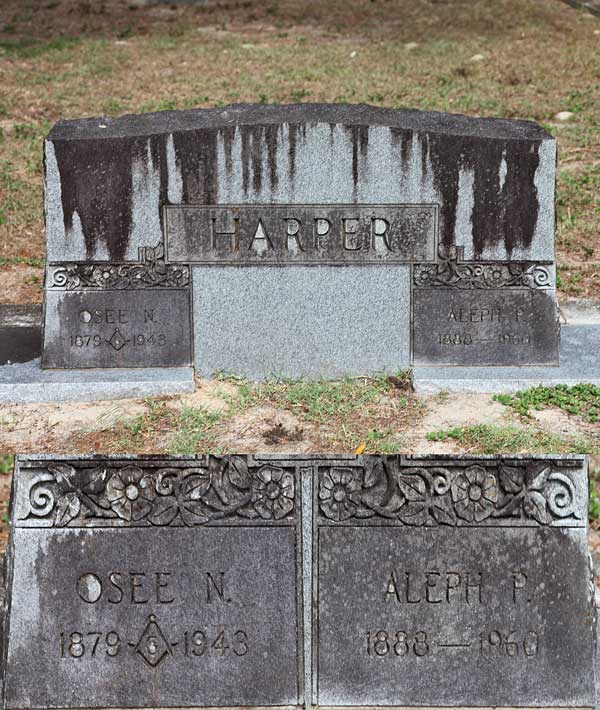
(303, 240)
(445, 582)
(153, 583)
(316, 581)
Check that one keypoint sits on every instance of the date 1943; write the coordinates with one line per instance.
(97, 644)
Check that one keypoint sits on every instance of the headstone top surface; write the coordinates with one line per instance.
(260, 114)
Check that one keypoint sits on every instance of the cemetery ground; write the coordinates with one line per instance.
(534, 59)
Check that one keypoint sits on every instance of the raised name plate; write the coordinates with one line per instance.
(153, 583)
(300, 234)
(444, 583)
(482, 313)
(118, 315)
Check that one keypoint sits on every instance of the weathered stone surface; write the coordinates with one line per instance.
(307, 234)
(454, 582)
(106, 328)
(493, 178)
(493, 327)
(435, 184)
(301, 321)
(370, 581)
(20, 333)
(27, 382)
(579, 362)
(153, 583)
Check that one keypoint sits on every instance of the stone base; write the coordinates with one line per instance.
(28, 383)
(579, 363)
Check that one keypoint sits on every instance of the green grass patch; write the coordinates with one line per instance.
(594, 510)
(323, 400)
(29, 47)
(494, 439)
(582, 399)
(22, 260)
(7, 461)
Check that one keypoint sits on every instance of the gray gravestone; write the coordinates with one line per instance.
(303, 240)
(454, 582)
(329, 581)
(153, 583)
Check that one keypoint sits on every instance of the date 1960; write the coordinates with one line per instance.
(468, 339)
(496, 642)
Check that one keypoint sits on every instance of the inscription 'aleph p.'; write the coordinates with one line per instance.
(265, 234)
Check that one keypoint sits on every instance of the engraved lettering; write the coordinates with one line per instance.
(349, 229)
(115, 580)
(215, 587)
(89, 588)
(137, 582)
(232, 236)
(432, 580)
(162, 584)
(471, 586)
(293, 227)
(322, 228)
(261, 242)
(519, 582)
(379, 232)
(149, 315)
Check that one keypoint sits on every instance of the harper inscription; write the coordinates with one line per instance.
(280, 234)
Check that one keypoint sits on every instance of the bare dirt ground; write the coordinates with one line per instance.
(221, 418)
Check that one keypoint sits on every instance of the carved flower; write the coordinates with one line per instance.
(130, 492)
(497, 275)
(339, 493)
(273, 492)
(474, 492)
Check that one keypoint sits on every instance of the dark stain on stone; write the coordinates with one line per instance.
(95, 182)
(446, 156)
(501, 215)
(271, 135)
(359, 135)
(197, 154)
(293, 141)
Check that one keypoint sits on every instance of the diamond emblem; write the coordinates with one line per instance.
(117, 340)
(153, 647)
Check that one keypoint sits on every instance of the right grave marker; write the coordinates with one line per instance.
(453, 582)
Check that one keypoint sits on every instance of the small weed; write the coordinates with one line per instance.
(583, 399)
(494, 439)
(322, 400)
(24, 260)
(193, 430)
(7, 461)
(594, 510)
(28, 48)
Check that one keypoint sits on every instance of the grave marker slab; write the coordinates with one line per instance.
(153, 583)
(331, 581)
(256, 205)
(453, 582)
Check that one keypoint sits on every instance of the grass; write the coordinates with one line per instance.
(369, 411)
(7, 462)
(354, 51)
(495, 439)
(594, 509)
(583, 400)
